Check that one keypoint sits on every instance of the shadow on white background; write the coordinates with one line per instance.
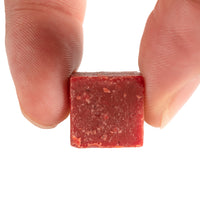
(41, 164)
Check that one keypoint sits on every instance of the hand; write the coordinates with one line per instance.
(170, 58)
(44, 46)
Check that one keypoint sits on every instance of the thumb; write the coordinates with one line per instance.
(44, 46)
(170, 58)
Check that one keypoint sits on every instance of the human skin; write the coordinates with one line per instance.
(44, 46)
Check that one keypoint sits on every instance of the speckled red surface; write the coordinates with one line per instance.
(107, 109)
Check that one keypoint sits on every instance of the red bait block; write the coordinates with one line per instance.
(107, 109)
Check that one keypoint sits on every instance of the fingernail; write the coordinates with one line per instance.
(178, 100)
(37, 124)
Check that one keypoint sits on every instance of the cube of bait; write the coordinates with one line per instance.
(106, 109)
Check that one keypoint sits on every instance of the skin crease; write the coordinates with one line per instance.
(44, 46)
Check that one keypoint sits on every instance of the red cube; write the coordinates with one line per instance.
(107, 109)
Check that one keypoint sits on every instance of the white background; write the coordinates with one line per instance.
(41, 164)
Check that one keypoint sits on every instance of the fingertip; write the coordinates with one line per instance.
(46, 111)
(42, 126)
(169, 59)
(43, 49)
(178, 99)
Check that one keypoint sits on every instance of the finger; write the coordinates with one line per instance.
(44, 46)
(170, 58)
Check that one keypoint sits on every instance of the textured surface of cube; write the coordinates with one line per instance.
(107, 109)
